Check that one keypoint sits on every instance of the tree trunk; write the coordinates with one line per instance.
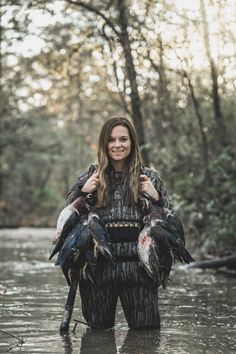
(219, 119)
(201, 127)
(228, 261)
(131, 73)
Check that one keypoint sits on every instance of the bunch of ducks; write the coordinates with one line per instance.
(81, 236)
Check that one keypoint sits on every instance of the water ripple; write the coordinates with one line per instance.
(197, 309)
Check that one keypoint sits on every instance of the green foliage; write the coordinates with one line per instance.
(221, 206)
(209, 211)
(55, 96)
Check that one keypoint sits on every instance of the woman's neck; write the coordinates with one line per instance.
(118, 166)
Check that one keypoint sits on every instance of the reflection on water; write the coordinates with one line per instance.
(197, 309)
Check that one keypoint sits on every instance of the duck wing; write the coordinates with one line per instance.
(68, 218)
(77, 241)
(100, 235)
(174, 243)
(69, 224)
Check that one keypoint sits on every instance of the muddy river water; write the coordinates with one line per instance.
(198, 308)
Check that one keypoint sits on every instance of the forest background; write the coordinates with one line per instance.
(168, 65)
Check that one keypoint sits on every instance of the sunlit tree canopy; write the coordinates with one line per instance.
(168, 65)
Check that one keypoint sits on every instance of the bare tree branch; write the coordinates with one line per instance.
(21, 340)
(95, 10)
(227, 261)
(122, 96)
(123, 37)
(200, 123)
(132, 76)
(218, 115)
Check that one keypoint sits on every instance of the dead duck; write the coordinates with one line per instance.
(68, 218)
(160, 243)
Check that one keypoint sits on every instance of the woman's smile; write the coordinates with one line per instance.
(118, 151)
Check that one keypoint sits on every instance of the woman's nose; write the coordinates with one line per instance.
(117, 143)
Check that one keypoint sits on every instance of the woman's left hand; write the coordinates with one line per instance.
(147, 187)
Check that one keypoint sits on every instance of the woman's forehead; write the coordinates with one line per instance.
(120, 130)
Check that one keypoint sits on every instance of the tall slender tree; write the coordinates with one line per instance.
(216, 99)
(123, 37)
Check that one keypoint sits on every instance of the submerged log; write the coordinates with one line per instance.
(228, 261)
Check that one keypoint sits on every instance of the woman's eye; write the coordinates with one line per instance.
(111, 140)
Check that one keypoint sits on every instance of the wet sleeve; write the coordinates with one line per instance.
(75, 191)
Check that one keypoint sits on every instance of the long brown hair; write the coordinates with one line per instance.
(131, 173)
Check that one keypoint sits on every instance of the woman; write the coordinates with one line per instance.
(118, 181)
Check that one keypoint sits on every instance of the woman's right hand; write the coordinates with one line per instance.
(92, 183)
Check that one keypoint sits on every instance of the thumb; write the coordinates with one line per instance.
(96, 174)
(144, 178)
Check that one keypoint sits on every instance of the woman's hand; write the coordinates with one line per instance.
(92, 183)
(147, 187)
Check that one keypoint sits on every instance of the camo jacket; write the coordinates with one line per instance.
(118, 211)
(124, 241)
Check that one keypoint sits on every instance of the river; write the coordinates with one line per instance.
(198, 308)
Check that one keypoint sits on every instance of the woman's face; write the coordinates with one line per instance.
(119, 144)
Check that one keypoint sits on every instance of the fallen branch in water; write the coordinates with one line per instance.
(78, 321)
(228, 261)
(21, 340)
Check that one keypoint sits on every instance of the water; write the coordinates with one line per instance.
(197, 309)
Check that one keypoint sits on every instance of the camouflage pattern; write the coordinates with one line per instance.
(125, 279)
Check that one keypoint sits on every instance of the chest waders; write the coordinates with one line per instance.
(125, 279)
